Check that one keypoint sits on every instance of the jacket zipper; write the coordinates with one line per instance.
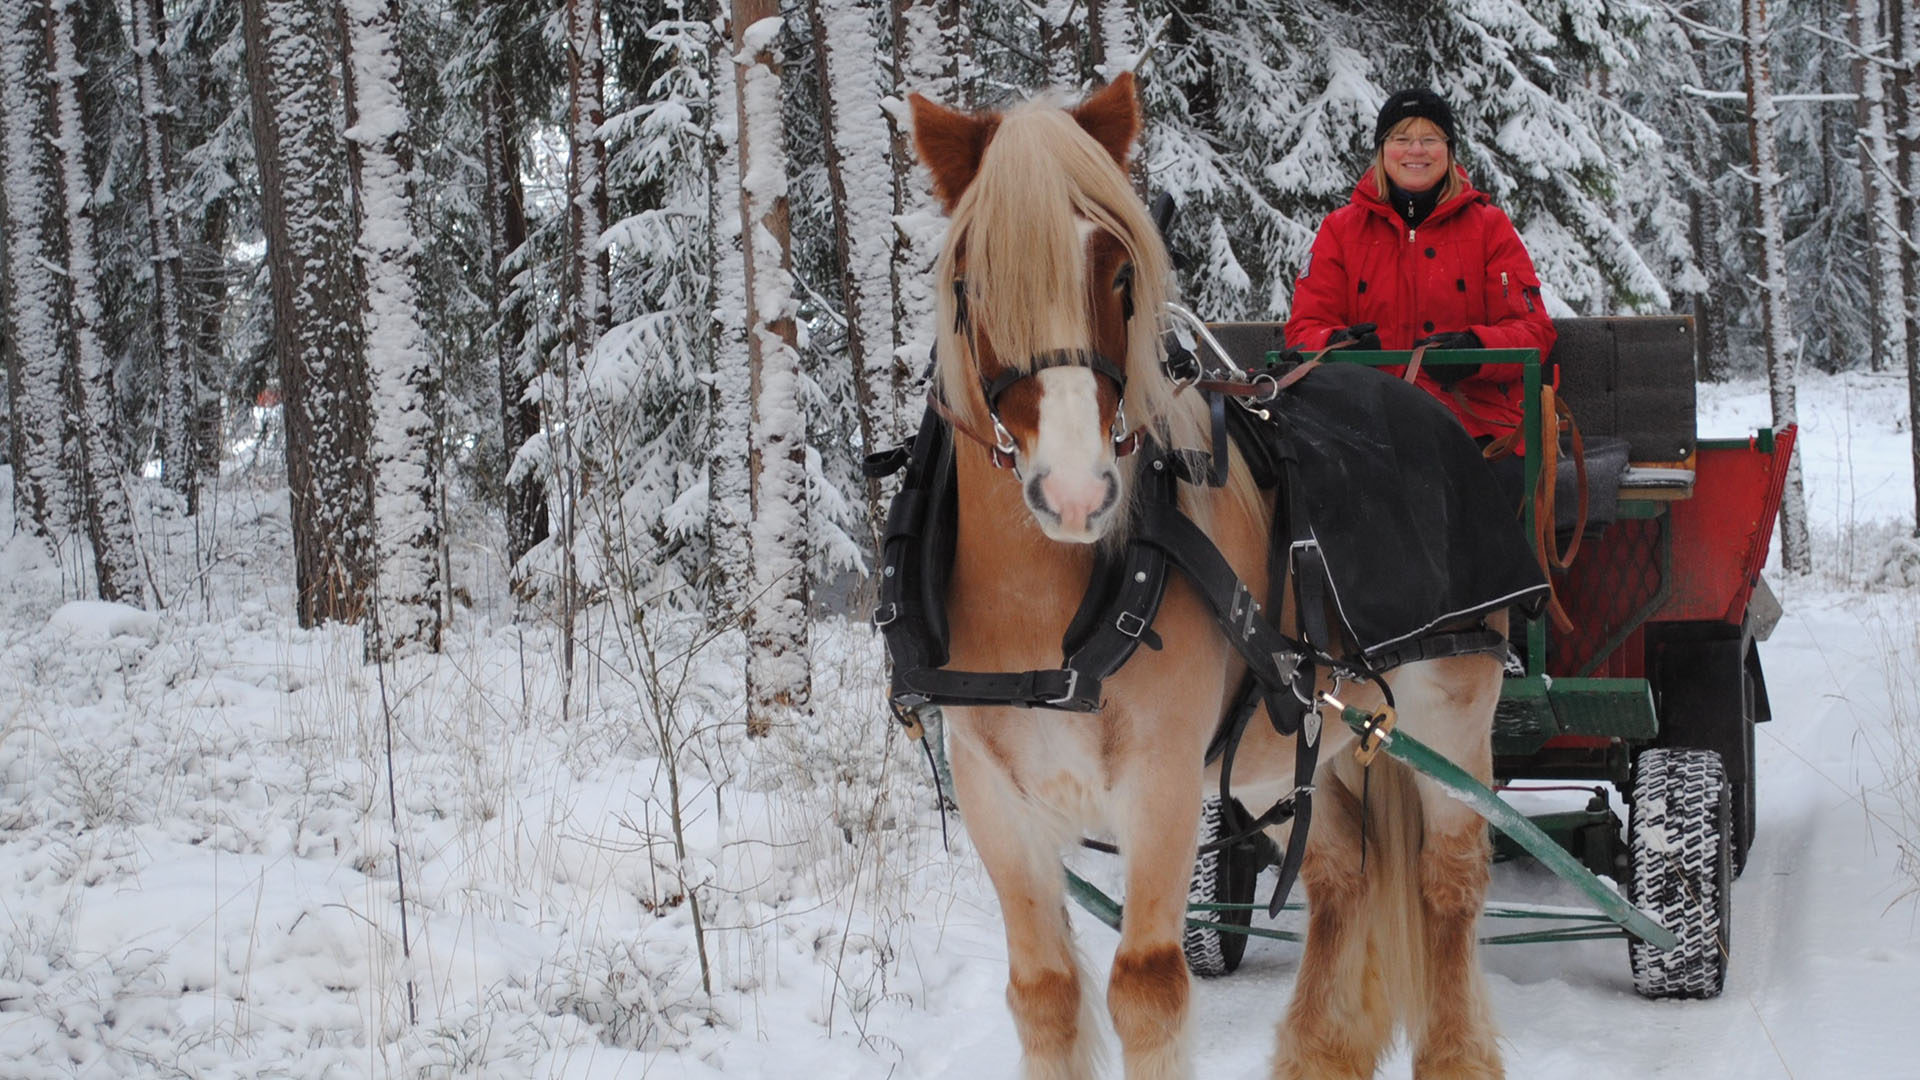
(1504, 295)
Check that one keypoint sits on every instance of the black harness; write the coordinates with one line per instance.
(1116, 615)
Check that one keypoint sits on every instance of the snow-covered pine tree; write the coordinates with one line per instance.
(179, 464)
(1684, 60)
(36, 304)
(645, 385)
(779, 677)
(402, 375)
(1782, 349)
(292, 64)
(102, 474)
(1261, 118)
(503, 73)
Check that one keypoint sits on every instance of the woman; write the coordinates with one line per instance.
(1420, 257)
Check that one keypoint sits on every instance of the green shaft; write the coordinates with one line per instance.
(1515, 824)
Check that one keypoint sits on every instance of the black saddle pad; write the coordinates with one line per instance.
(1408, 516)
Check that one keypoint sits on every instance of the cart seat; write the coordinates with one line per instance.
(1632, 377)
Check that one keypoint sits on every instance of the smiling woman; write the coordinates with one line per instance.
(1418, 256)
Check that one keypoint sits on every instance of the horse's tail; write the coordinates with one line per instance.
(1396, 934)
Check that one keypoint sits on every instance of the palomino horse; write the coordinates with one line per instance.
(1051, 286)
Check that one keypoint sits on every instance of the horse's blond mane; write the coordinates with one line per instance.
(1017, 224)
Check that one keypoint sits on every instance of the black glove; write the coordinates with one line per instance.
(1449, 374)
(1361, 334)
(1451, 339)
(1285, 358)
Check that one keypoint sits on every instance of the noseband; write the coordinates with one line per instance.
(1002, 445)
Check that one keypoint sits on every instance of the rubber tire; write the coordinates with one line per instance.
(1227, 876)
(1681, 843)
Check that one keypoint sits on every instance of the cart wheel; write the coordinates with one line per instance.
(1226, 876)
(1682, 870)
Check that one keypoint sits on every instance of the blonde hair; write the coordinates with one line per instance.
(1449, 187)
(1018, 227)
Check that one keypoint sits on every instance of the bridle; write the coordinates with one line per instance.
(1001, 445)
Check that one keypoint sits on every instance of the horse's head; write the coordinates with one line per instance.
(1050, 289)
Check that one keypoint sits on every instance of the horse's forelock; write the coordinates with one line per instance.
(1018, 225)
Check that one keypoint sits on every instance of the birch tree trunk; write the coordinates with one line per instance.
(36, 302)
(730, 390)
(103, 487)
(779, 676)
(588, 311)
(860, 182)
(292, 76)
(1781, 348)
(178, 460)
(506, 207)
(401, 373)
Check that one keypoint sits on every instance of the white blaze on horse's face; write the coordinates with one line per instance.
(1072, 486)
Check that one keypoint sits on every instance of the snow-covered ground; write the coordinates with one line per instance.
(208, 817)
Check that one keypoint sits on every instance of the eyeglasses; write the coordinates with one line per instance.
(1429, 143)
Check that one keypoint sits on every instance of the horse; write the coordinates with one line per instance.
(1050, 345)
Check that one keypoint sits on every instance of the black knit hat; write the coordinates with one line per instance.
(1407, 104)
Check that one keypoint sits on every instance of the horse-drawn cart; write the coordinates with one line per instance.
(1654, 688)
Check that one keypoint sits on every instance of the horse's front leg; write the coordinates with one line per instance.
(1453, 1033)
(1046, 989)
(1158, 797)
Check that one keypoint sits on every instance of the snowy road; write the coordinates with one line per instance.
(1826, 962)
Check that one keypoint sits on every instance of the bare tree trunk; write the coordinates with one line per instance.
(179, 465)
(859, 180)
(36, 301)
(403, 376)
(293, 73)
(779, 675)
(1881, 194)
(730, 392)
(103, 487)
(588, 310)
(1781, 347)
(526, 504)
(1904, 23)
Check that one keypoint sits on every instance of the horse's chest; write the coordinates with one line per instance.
(1063, 763)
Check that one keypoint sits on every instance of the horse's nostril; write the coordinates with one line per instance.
(1036, 494)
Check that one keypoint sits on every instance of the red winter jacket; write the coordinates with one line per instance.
(1463, 268)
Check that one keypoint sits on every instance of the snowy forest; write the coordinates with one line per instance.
(573, 321)
(627, 291)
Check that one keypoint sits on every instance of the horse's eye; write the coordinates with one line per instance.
(1124, 276)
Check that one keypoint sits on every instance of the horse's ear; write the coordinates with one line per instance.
(1112, 117)
(951, 144)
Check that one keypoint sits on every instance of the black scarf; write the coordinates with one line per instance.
(1413, 206)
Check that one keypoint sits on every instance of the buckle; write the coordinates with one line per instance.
(1130, 624)
(885, 614)
(1073, 688)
